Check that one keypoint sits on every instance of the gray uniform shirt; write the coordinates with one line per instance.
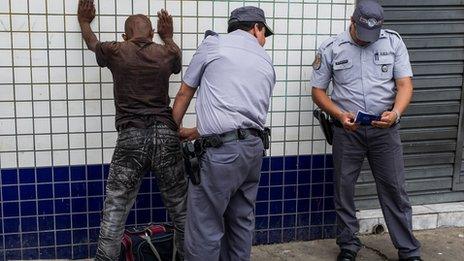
(237, 77)
(363, 78)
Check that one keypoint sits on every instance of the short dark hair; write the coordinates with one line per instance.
(245, 26)
(139, 24)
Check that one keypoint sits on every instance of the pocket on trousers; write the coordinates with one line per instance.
(224, 158)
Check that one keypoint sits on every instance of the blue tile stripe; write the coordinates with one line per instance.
(55, 212)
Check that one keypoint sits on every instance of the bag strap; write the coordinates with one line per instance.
(127, 243)
(147, 238)
(174, 248)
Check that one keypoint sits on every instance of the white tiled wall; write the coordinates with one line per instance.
(56, 104)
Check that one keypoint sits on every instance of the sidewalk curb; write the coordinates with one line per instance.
(424, 217)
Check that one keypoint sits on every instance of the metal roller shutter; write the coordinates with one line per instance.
(431, 129)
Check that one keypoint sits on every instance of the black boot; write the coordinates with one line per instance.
(346, 255)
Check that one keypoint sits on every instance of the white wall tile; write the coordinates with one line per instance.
(173, 7)
(95, 156)
(4, 6)
(93, 124)
(65, 72)
(5, 39)
(25, 142)
(76, 108)
(107, 154)
(19, 6)
(26, 159)
(57, 91)
(42, 125)
(76, 141)
(93, 140)
(24, 126)
(23, 109)
(108, 123)
(59, 125)
(92, 108)
(7, 109)
(6, 93)
(109, 139)
(6, 75)
(76, 124)
(220, 9)
(41, 109)
(19, 22)
(77, 157)
(40, 75)
(8, 160)
(21, 57)
(40, 92)
(60, 158)
(37, 23)
(42, 142)
(57, 74)
(7, 143)
(55, 41)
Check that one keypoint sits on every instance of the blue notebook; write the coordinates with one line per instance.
(363, 118)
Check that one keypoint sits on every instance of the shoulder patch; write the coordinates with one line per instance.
(317, 62)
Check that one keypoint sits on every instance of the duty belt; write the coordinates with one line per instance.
(193, 151)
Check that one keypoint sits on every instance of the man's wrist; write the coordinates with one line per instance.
(398, 115)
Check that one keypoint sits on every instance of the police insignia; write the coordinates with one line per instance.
(384, 68)
(317, 62)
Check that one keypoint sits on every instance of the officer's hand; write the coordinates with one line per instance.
(387, 120)
(86, 11)
(189, 133)
(165, 27)
(347, 119)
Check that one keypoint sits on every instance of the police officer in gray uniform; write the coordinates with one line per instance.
(235, 77)
(370, 72)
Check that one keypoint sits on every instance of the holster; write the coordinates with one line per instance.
(191, 162)
(326, 124)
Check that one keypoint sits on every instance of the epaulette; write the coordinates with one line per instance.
(209, 33)
(392, 32)
(327, 43)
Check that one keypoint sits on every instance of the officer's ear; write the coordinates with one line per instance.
(260, 34)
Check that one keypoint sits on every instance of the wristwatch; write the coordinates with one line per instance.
(398, 116)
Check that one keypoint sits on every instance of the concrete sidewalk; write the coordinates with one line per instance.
(437, 244)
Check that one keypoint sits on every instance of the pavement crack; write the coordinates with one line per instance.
(377, 252)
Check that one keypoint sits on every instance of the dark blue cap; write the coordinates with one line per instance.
(249, 14)
(368, 17)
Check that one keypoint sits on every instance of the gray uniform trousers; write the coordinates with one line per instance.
(138, 150)
(385, 155)
(220, 211)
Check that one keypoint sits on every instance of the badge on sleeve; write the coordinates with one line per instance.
(317, 62)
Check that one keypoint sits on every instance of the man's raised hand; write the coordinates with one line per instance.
(165, 27)
(86, 11)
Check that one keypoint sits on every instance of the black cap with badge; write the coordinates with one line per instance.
(250, 14)
(368, 17)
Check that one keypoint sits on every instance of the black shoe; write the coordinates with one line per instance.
(412, 258)
(346, 255)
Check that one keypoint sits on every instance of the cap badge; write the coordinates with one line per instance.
(372, 22)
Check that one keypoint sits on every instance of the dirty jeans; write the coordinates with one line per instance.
(138, 151)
